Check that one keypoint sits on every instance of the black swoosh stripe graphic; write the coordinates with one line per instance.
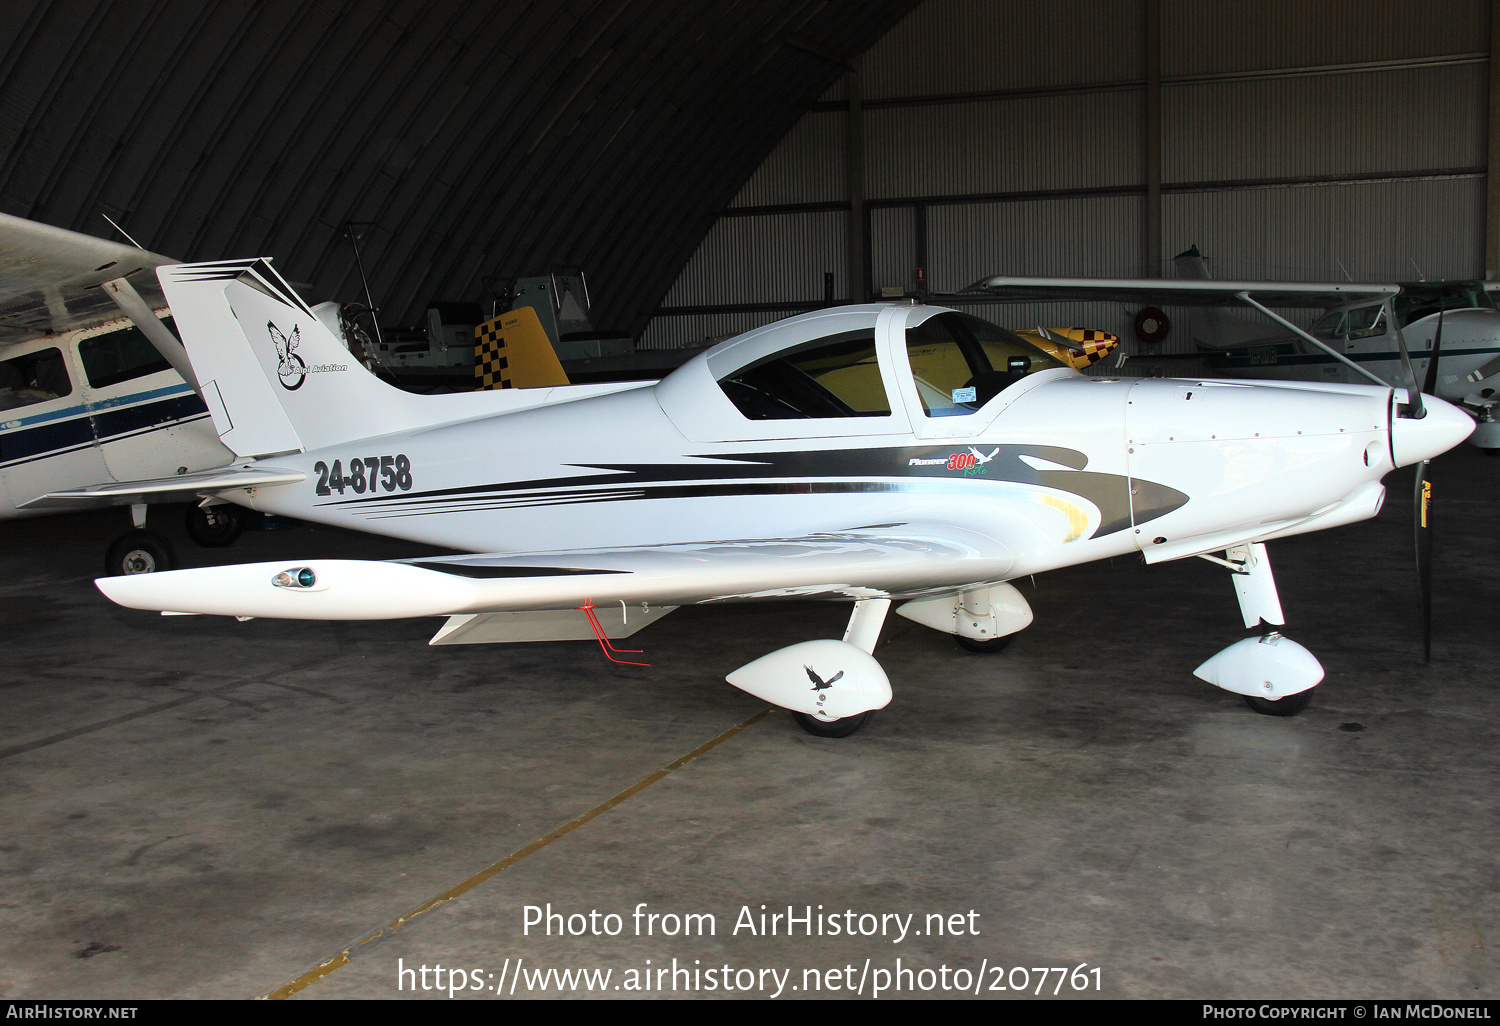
(812, 472)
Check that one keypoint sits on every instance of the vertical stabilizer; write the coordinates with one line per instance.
(1214, 326)
(274, 377)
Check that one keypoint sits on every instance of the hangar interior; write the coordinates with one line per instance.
(1286, 141)
(197, 807)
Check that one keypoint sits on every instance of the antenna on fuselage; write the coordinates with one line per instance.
(122, 231)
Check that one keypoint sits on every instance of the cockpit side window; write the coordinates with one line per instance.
(834, 376)
(1332, 324)
(33, 378)
(959, 363)
(120, 356)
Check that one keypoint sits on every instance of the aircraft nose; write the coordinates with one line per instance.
(1413, 441)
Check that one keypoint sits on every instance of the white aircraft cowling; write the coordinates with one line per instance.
(827, 679)
(1270, 667)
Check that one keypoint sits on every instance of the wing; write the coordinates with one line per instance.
(166, 489)
(900, 560)
(50, 278)
(1177, 291)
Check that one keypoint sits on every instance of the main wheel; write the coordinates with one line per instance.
(989, 646)
(832, 728)
(214, 527)
(139, 552)
(1291, 705)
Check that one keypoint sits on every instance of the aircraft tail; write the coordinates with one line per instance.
(274, 377)
(1213, 326)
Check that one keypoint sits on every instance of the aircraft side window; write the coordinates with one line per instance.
(1366, 322)
(33, 378)
(1332, 325)
(835, 376)
(120, 356)
(959, 363)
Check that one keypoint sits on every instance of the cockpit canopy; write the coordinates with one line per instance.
(958, 363)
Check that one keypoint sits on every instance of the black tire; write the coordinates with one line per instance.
(214, 527)
(987, 647)
(832, 728)
(139, 552)
(1291, 705)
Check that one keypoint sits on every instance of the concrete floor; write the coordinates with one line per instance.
(195, 807)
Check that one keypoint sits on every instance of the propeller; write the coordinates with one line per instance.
(1422, 501)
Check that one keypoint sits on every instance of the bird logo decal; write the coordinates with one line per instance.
(291, 371)
(819, 684)
(983, 459)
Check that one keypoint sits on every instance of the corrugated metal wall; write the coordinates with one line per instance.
(1303, 139)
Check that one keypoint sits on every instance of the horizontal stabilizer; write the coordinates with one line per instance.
(165, 489)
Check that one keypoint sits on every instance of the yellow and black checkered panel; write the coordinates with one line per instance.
(491, 365)
(513, 351)
(1096, 344)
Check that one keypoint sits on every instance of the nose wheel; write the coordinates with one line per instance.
(987, 646)
(1291, 705)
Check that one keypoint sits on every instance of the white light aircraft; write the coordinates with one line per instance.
(876, 455)
(95, 386)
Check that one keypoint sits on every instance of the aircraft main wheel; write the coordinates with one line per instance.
(989, 646)
(139, 552)
(214, 527)
(1291, 705)
(832, 728)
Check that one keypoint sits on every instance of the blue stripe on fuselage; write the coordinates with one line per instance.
(47, 434)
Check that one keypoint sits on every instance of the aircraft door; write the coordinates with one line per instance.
(46, 439)
(148, 421)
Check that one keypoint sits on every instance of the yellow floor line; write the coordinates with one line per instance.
(343, 958)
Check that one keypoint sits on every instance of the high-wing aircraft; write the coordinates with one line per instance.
(1360, 336)
(94, 385)
(874, 454)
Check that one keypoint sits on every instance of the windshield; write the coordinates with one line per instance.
(1420, 299)
(959, 362)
